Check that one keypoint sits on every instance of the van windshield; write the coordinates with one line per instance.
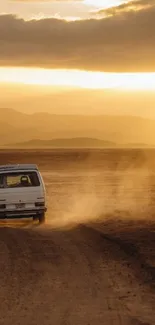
(19, 179)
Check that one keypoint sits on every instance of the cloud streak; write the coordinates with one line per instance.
(124, 42)
(133, 5)
(46, 1)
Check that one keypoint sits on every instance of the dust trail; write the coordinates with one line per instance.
(124, 193)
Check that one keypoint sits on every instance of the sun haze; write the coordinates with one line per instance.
(91, 57)
(78, 78)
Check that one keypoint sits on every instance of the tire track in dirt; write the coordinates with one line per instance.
(65, 278)
(135, 277)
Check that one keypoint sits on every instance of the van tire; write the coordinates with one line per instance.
(41, 218)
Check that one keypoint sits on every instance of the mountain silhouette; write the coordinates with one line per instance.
(17, 127)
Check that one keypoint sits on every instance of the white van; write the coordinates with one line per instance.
(22, 192)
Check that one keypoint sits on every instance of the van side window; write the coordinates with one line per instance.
(1, 181)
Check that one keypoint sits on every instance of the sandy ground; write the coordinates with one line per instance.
(102, 273)
(78, 276)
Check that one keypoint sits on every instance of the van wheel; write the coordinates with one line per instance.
(35, 218)
(41, 218)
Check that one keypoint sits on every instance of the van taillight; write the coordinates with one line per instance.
(2, 206)
(39, 204)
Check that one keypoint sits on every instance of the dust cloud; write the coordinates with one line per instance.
(120, 194)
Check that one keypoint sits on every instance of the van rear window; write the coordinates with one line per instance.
(19, 179)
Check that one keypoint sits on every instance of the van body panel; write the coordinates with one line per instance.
(22, 191)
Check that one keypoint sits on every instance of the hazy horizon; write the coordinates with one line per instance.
(18, 127)
(55, 100)
(31, 112)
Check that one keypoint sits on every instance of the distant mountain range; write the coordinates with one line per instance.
(66, 143)
(46, 130)
(73, 143)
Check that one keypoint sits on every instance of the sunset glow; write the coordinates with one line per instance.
(77, 78)
(103, 3)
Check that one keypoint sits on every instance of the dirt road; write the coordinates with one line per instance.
(74, 277)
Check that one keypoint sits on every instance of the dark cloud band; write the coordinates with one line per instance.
(119, 43)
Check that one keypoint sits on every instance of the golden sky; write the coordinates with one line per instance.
(99, 44)
(69, 9)
(78, 78)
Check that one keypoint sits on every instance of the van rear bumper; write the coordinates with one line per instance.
(21, 213)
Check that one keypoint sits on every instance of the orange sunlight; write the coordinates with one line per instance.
(78, 78)
(103, 3)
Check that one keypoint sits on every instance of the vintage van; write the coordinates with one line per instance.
(22, 192)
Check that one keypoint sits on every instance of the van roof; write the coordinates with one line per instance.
(11, 167)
